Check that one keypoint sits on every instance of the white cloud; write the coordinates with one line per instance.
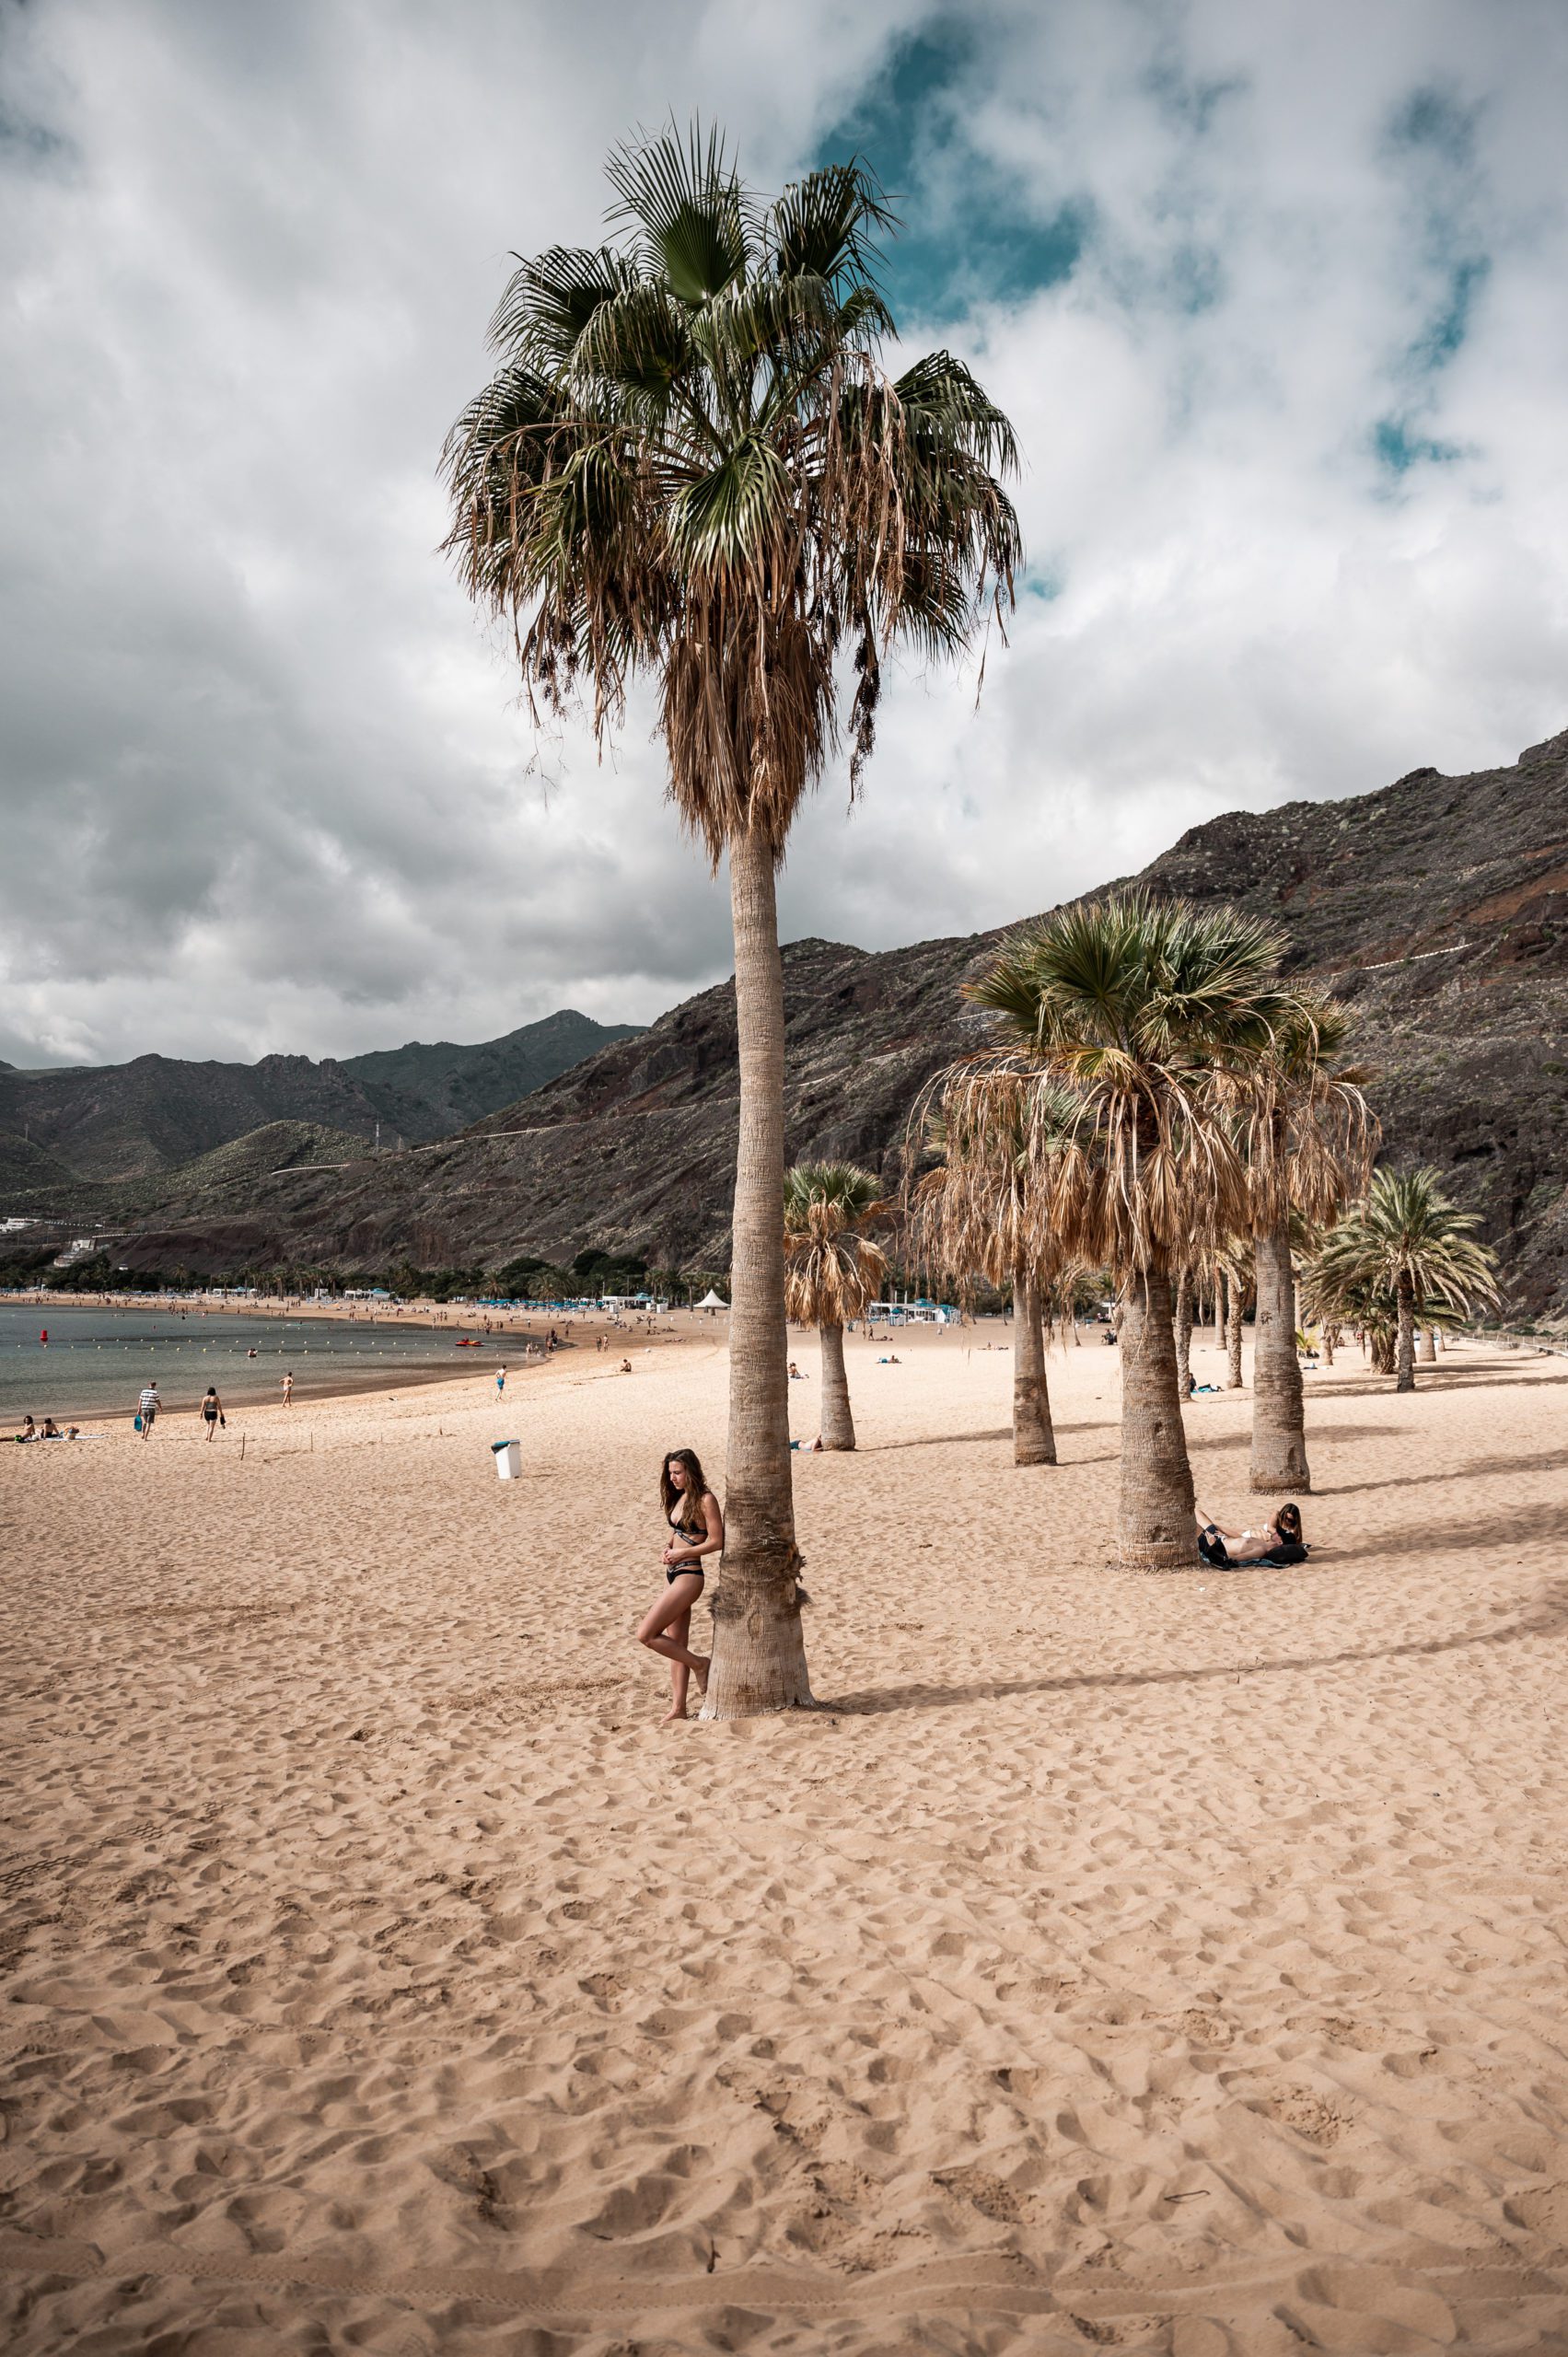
(266, 784)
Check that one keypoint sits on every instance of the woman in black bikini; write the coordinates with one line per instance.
(696, 1529)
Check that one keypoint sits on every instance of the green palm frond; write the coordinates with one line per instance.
(695, 219)
(824, 227)
(549, 300)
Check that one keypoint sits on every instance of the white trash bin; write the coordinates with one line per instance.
(508, 1455)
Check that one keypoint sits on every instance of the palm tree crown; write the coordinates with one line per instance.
(689, 463)
(1304, 1127)
(833, 1268)
(1140, 1009)
(1407, 1237)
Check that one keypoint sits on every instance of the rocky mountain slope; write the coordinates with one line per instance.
(1437, 907)
(462, 1085)
(126, 1121)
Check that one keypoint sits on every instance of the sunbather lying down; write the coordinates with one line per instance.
(1279, 1541)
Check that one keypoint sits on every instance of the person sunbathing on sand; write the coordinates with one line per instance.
(1279, 1541)
(696, 1526)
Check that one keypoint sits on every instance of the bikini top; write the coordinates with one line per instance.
(698, 1530)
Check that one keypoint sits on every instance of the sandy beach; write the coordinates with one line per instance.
(1167, 1965)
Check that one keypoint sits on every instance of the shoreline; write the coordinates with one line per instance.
(343, 1386)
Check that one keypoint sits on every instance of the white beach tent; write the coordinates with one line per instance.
(711, 1301)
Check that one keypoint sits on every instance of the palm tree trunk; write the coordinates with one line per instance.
(1404, 1359)
(1426, 1350)
(1156, 1531)
(758, 1651)
(1219, 1309)
(1329, 1339)
(1184, 1332)
(1034, 1442)
(1279, 1422)
(1233, 1300)
(838, 1423)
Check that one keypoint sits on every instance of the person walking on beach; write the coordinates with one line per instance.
(288, 1391)
(695, 1529)
(148, 1405)
(212, 1410)
(500, 1382)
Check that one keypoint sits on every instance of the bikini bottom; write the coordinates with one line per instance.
(672, 1575)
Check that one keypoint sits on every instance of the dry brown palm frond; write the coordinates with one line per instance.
(985, 1212)
(1303, 1126)
(1117, 1165)
(833, 1269)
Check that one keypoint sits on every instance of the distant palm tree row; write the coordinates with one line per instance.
(1158, 1103)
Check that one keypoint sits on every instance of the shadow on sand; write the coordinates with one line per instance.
(952, 1440)
(1548, 1460)
(1546, 1618)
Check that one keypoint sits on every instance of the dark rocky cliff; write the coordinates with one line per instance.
(1438, 908)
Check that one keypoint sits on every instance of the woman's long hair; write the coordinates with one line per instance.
(697, 1484)
(1287, 1522)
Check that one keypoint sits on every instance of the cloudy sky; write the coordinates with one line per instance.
(1273, 295)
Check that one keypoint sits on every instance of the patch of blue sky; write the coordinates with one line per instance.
(1399, 444)
(1437, 123)
(965, 235)
(1431, 145)
(1447, 330)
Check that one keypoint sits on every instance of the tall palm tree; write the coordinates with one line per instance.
(1409, 1245)
(1184, 1291)
(981, 1214)
(1233, 1264)
(1142, 1009)
(691, 467)
(1308, 1141)
(833, 1270)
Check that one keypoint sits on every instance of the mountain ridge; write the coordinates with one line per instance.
(1436, 907)
(109, 1123)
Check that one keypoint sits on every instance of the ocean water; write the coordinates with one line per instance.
(97, 1360)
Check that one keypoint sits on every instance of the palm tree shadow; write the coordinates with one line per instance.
(1197, 1442)
(1547, 1461)
(1548, 1618)
(949, 1440)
